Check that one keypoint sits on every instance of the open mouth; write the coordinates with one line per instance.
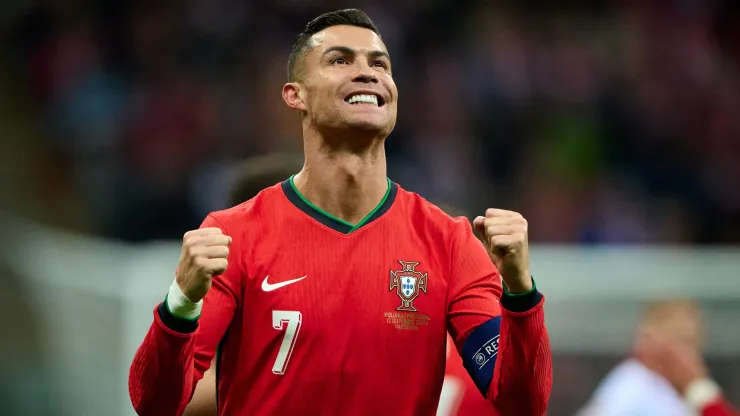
(365, 99)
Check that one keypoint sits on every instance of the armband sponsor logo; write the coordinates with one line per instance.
(486, 352)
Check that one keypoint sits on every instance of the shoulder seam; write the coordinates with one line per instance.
(215, 218)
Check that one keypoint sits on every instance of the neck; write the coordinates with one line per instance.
(344, 181)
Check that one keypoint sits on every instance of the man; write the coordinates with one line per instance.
(683, 367)
(332, 292)
(646, 383)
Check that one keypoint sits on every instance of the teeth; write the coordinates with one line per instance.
(363, 98)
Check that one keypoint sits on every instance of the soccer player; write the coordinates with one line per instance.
(666, 375)
(682, 365)
(333, 291)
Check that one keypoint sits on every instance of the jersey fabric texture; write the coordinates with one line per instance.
(315, 316)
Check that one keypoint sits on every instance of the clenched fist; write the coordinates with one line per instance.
(504, 234)
(204, 254)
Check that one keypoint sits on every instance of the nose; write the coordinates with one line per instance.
(365, 74)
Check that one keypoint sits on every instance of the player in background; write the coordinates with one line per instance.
(683, 366)
(669, 336)
(333, 291)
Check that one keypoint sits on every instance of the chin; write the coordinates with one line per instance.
(369, 124)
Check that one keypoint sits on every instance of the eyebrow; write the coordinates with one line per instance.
(349, 51)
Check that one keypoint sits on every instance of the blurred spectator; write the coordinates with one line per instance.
(637, 386)
(685, 369)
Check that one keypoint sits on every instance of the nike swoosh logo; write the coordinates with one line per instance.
(267, 287)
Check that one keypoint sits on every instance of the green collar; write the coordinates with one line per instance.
(331, 221)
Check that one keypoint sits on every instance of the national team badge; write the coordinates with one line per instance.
(408, 284)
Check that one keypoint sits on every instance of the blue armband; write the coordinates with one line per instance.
(480, 351)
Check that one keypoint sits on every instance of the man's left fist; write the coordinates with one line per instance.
(504, 234)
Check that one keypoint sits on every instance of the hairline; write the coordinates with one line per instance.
(312, 44)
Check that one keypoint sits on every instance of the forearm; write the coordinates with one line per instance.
(522, 378)
(162, 375)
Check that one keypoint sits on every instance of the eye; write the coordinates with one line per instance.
(339, 60)
(380, 64)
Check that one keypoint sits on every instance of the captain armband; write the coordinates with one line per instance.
(480, 351)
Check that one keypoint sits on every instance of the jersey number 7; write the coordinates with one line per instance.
(291, 321)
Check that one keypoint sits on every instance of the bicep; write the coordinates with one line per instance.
(474, 311)
(474, 288)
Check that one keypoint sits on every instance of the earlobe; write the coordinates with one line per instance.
(292, 97)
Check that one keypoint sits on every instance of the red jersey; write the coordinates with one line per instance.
(719, 407)
(317, 316)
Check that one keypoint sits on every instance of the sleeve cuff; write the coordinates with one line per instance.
(521, 302)
(701, 393)
(179, 325)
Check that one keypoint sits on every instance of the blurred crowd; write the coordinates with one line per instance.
(607, 123)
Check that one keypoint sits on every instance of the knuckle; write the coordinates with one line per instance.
(192, 242)
(223, 264)
(193, 251)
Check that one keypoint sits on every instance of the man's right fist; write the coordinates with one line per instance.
(204, 254)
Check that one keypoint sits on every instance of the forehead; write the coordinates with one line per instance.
(357, 38)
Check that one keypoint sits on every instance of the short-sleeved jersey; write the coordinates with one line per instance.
(317, 316)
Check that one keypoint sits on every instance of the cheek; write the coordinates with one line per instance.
(391, 85)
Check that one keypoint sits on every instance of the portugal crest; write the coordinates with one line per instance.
(408, 283)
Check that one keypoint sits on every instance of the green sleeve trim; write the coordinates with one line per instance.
(529, 292)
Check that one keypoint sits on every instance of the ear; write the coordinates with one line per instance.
(291, 96)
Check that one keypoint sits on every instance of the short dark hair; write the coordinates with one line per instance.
(348, 17)
(260, 172)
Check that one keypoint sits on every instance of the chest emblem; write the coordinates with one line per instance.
(408, 284)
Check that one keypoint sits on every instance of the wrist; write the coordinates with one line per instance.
(700, 393)
(520, 286)
(180, 306)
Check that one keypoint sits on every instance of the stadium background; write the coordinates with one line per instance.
(614, 127)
